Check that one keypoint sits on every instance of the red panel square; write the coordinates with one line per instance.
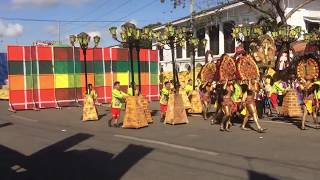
(16, 96)
(29, 53)
(154, 89)
(64, 53)
(145, 90)
(89, 55)
(154, 55)
(144, 55)
(104, 94)
(15, 53)
(97, 54)
(31, 96)
(107, 56)
(44, 53)
(47, 95)
(119, 54)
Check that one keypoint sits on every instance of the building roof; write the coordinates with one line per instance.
(202, 13)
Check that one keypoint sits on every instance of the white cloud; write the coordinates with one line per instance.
(52, 29)
(10, 29)
(94, 33)
(45, 3)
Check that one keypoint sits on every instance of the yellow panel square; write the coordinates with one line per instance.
(123, 78)
(61, 81)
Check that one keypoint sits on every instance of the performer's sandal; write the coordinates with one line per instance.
(244, 128)
(262, 130)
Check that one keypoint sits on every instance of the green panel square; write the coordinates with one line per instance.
(99, 79)
(98, 66)
(89, 67)
(77, 80)
(35, 82)
(45, 67)
(15, 67)
(121, 66)
(34, 67)
(31, 82)
(71, 67)
(153, 67)
(28, 67)
(61, 67)
(78, 66)
(71, 82)
(154, 79)
(107, 66)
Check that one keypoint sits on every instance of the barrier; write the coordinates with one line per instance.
(47, 77)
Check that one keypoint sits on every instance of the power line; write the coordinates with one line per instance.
(133, 12)
(114, 9)
(94, 10)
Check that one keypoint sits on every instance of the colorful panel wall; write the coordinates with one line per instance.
(46, 77)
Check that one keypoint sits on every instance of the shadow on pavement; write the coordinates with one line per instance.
(5, 124)
(253, 175)
(56, 162)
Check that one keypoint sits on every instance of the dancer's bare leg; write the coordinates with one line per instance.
(304, 117)
(225, 119)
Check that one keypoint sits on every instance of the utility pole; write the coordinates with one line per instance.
(59, 32)
(193, 56)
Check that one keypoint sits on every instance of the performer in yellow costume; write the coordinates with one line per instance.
(118, 98)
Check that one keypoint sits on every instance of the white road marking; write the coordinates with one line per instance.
(276, 122)
(24, 118)
(168, 145)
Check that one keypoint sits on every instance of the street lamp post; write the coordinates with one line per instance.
(172, 36)
(193, 43)
(84, 39)
(287, 34)
(132, 36)
(313, 38)
(246, 34)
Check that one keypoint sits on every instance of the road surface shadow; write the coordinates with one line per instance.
(253, 175)
(56, 162)
(5, 124)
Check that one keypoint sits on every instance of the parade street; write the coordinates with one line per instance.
(55, 144)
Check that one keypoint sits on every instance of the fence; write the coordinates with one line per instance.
(46, 77)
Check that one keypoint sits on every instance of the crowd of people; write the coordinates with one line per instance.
(233, 100)
(256, 99)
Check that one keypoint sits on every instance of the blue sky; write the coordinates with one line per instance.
(141, 12)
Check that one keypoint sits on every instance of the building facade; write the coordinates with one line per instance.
(215, 25)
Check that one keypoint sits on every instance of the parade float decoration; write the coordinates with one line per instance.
(247, 68)
(307, 69)
(227, 68)
(264, 50)
(208, 72)
(290, 105)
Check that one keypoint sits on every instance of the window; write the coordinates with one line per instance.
(214, 39)
(179, 51)
(201, 48)
(229, 42)
(161, 54)
(312, 26)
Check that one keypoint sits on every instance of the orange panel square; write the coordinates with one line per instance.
(16, 82)
(46, 81)
(90, 78)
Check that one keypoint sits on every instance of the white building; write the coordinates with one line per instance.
(215, 25)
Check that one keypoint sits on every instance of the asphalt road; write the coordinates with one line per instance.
(55, 144)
